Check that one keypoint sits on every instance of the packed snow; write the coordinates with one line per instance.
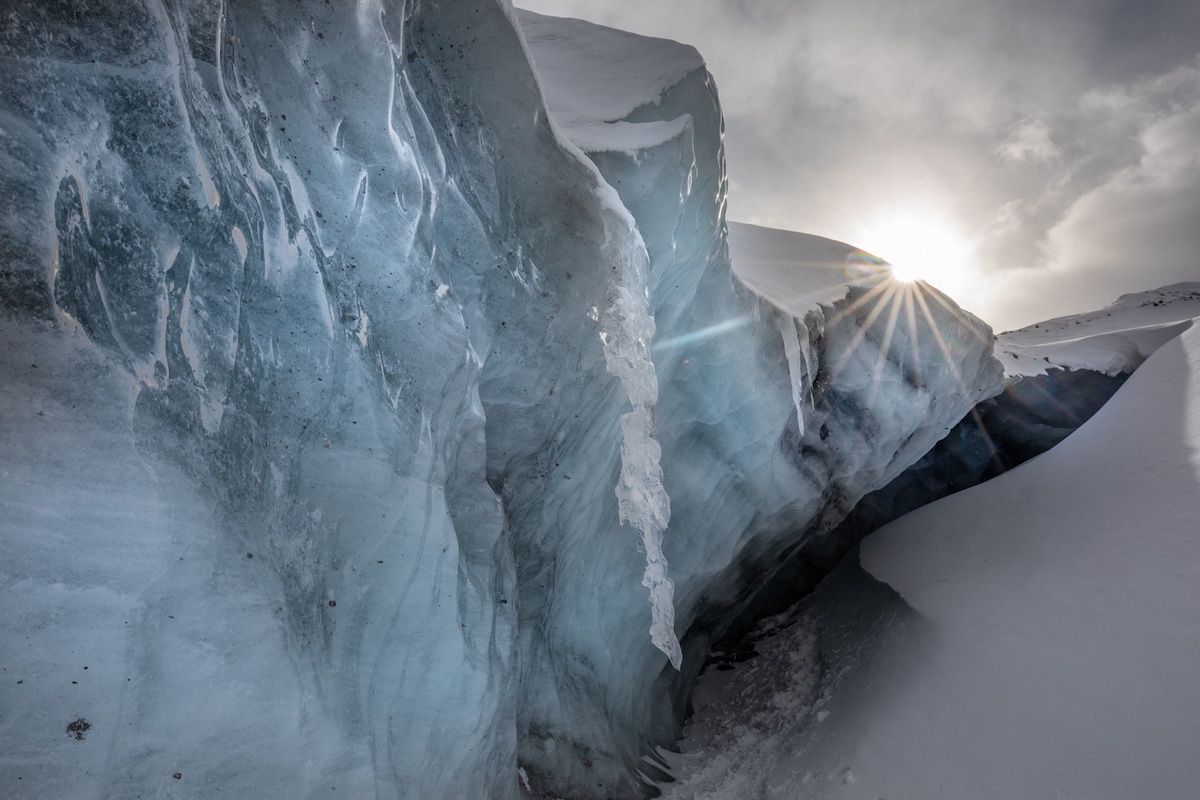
(1062, 603)
(597, 74)
(798, 271)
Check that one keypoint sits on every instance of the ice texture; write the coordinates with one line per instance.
(352, 409)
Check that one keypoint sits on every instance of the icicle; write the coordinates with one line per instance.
(797, 361)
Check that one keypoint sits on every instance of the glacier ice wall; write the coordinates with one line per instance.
(247, 213)
(333, 366)
(772, 427)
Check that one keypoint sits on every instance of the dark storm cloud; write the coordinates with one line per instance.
(1060, 135)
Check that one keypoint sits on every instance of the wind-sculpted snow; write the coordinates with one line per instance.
(363, 435)
(1113, 340)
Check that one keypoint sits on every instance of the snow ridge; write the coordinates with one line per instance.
(1114, 340)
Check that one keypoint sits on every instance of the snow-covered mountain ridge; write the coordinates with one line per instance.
(1112, 340)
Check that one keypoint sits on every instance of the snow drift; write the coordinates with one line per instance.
(1060, 602)
(373, 426)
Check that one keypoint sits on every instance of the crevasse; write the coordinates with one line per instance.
(315, 470)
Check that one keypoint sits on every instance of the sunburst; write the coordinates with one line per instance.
(922, 246)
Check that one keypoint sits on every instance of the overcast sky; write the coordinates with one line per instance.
(1060, 137)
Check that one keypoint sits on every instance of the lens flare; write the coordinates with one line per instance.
(922, 247)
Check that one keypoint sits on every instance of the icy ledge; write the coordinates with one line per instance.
(333, 365)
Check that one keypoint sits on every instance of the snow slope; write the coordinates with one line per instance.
(594, 78)
(799, 270)
(1051, 644)
(1063, 597)
(1112, 340)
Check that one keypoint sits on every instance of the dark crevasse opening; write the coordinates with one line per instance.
(1029, 417)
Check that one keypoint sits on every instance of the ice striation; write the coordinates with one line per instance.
(358, 392)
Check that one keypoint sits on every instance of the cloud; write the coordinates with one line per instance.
(1143, 223)
(1030, 140)
(1054, 133)
(1123, 214)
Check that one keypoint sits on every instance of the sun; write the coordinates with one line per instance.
(921, 247)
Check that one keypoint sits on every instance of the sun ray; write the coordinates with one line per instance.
(958, 312)
(1049, 398)
(914, 339)
(863, 329)
(700, 335)
(993, 451)
(951, 364)
(921, 244)
(889, 329)
(875, 291)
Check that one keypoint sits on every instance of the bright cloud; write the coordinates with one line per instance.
(1030, 141)
(1057, 135)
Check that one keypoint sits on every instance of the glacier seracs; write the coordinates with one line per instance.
(336, 354)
